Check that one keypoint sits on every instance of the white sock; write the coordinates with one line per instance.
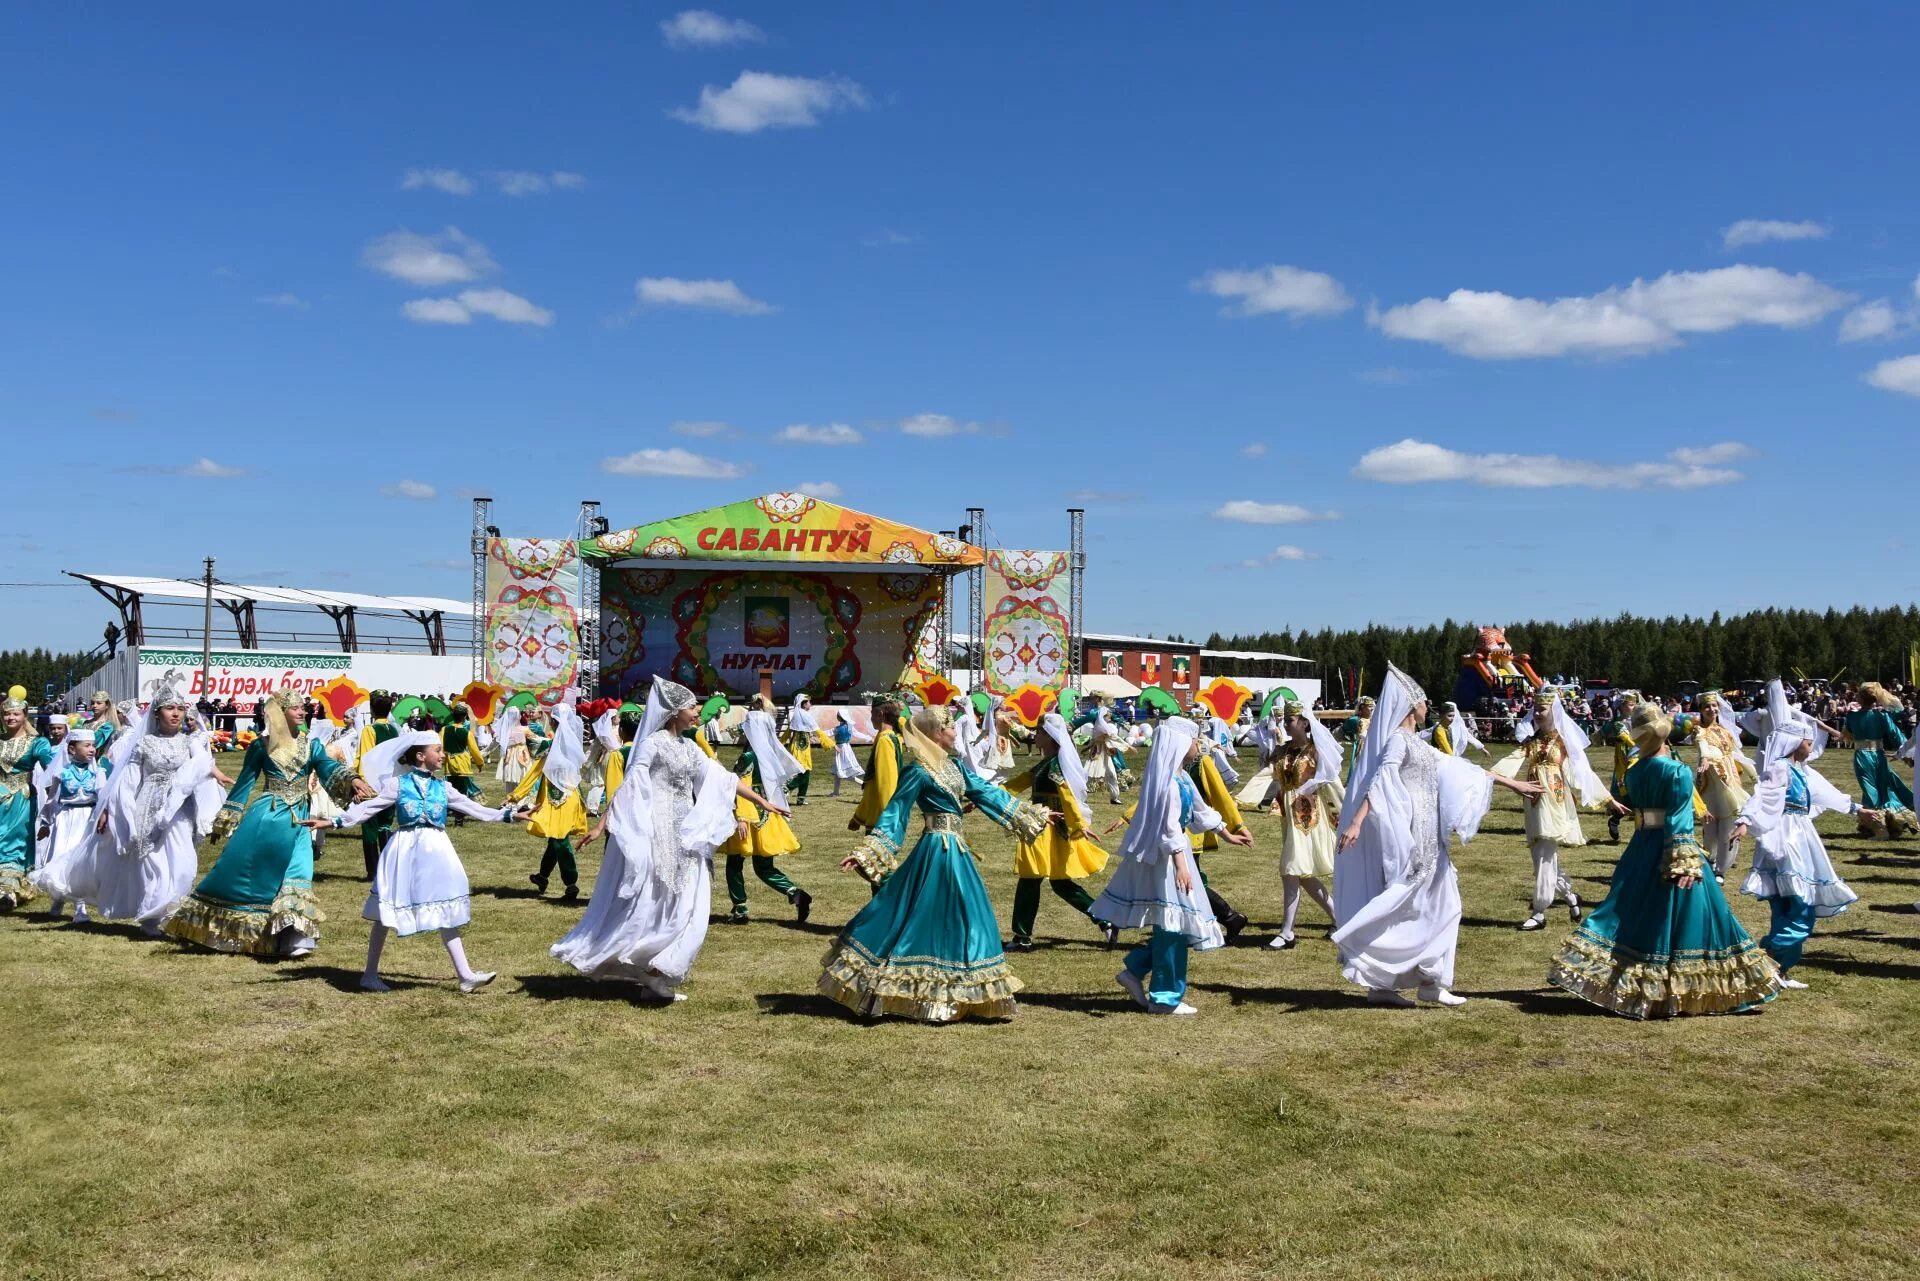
(458, 951)
(375, 941)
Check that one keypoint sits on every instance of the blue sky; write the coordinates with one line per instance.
(1201, 270)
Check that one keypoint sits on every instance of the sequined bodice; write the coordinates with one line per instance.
(676, 765)
(159, 758)
(1420, 775)
(422, 802)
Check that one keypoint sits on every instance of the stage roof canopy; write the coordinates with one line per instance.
(187, 590)
(784, 528)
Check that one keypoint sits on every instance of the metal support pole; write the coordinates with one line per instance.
(976, 602)
(587, 674)
(1076, 601)
(477, 545)
(206, 640)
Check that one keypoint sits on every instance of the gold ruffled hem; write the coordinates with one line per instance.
(926, 995)
(876, 856)
(14, 884)
(1591, 970)
(247, 930)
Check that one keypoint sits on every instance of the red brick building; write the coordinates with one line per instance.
(1141, 660)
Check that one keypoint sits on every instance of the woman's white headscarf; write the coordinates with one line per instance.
(1156, 830)
(1072, 768)
(665, 700)
(1587, 787)
(1327, 755)
(606, 730)
(1460, 735)
(632, 857)
(800, 717)
(379, 766)
(193, 782)
(777, 764)
(569, 751)
(1398, 695)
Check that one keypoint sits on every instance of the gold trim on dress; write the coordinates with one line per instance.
(917, 988)
(1595, 971)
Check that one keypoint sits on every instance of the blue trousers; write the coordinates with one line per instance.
(1793, 920)
(1161, 963)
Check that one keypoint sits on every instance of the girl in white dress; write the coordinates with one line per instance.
(419, 883)
(161, 795)
(1307, 773)
(515, 758)
(68, 819)
(648, 914)
(846, 763)
(1396, 897)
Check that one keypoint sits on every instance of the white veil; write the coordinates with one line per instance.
(631, 858)
(1156, 830)
(1326, 750)
(194, 782)
(777, 765)
(1072, 768)
(1587, 787)
(800, 717)
(569, 751)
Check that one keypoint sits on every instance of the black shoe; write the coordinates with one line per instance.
(734, 918)
(1233, 924)
(571, 894)
(1020, 945)
(1111, 931)
(802, 906)
(1573, 908)
(539, 882)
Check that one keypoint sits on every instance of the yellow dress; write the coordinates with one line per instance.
(1554, 815)
(1725, 762)
(883, 776)
(769, 835)
(801, 745)
(556, 818)
(1061, 851)
(1308, 838)
(1215, 792)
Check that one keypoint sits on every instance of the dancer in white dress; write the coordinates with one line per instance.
(1396, 897)
(68, 820)
(648, 914)
(419, 883)
(160, 797)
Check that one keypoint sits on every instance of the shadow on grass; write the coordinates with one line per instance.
(1544, 1000)
(115, 929)
(1864, 935)
(1087, 1003)
(578, 987)
(1864, 969)
(337, 977)
(1875, 878)
(528, 892)
(1895, 909)
(808, 1005)
(1293, 998)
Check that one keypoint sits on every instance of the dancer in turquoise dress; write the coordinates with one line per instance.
(1875, 738)
(258, 898)
(22, 752)
(928, 946)
(1664, 943)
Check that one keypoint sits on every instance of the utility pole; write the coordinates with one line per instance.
(206, 637)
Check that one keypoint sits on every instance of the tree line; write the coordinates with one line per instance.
(38, 668)
(1653, 654)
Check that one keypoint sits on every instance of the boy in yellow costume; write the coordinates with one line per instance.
(1061, 853)
(884, 762)
(561, 812)
(764, 835)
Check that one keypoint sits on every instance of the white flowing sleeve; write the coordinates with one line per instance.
(195, 785)
(710, 823)
(1768, 804)
(1466, 794)
(385, 799)
(1825, 797)
(1205, 818)
(461, 804)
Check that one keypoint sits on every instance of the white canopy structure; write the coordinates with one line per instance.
(242, 602)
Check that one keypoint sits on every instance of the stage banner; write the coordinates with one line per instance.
(830, 636)
(783, 527)
(1026, 595)
(531, 638)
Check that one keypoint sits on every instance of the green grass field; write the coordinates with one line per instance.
(177, 1114)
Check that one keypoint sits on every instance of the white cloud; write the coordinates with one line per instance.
(1758, 231)
(1257, 449)
(704, 29)
(292, 301)
(527, 182)
(436, 311)
(450, 258)
(1646, 316)
(711, 295)
(671, 462)
(936, 426)
(824, 434)
(703, 428)
(1247, 512)
(451, 181)
(1284, 552)
(200, 469)
(1418, 462)
(1901, 374)
(1262, 291)
(888, 236)
(757, 100)
(818, 489)
(414, 489)
(509, 308)
(1876, 319)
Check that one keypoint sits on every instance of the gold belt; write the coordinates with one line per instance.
(1650, 818)
(945, 823)
(1866, 745)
